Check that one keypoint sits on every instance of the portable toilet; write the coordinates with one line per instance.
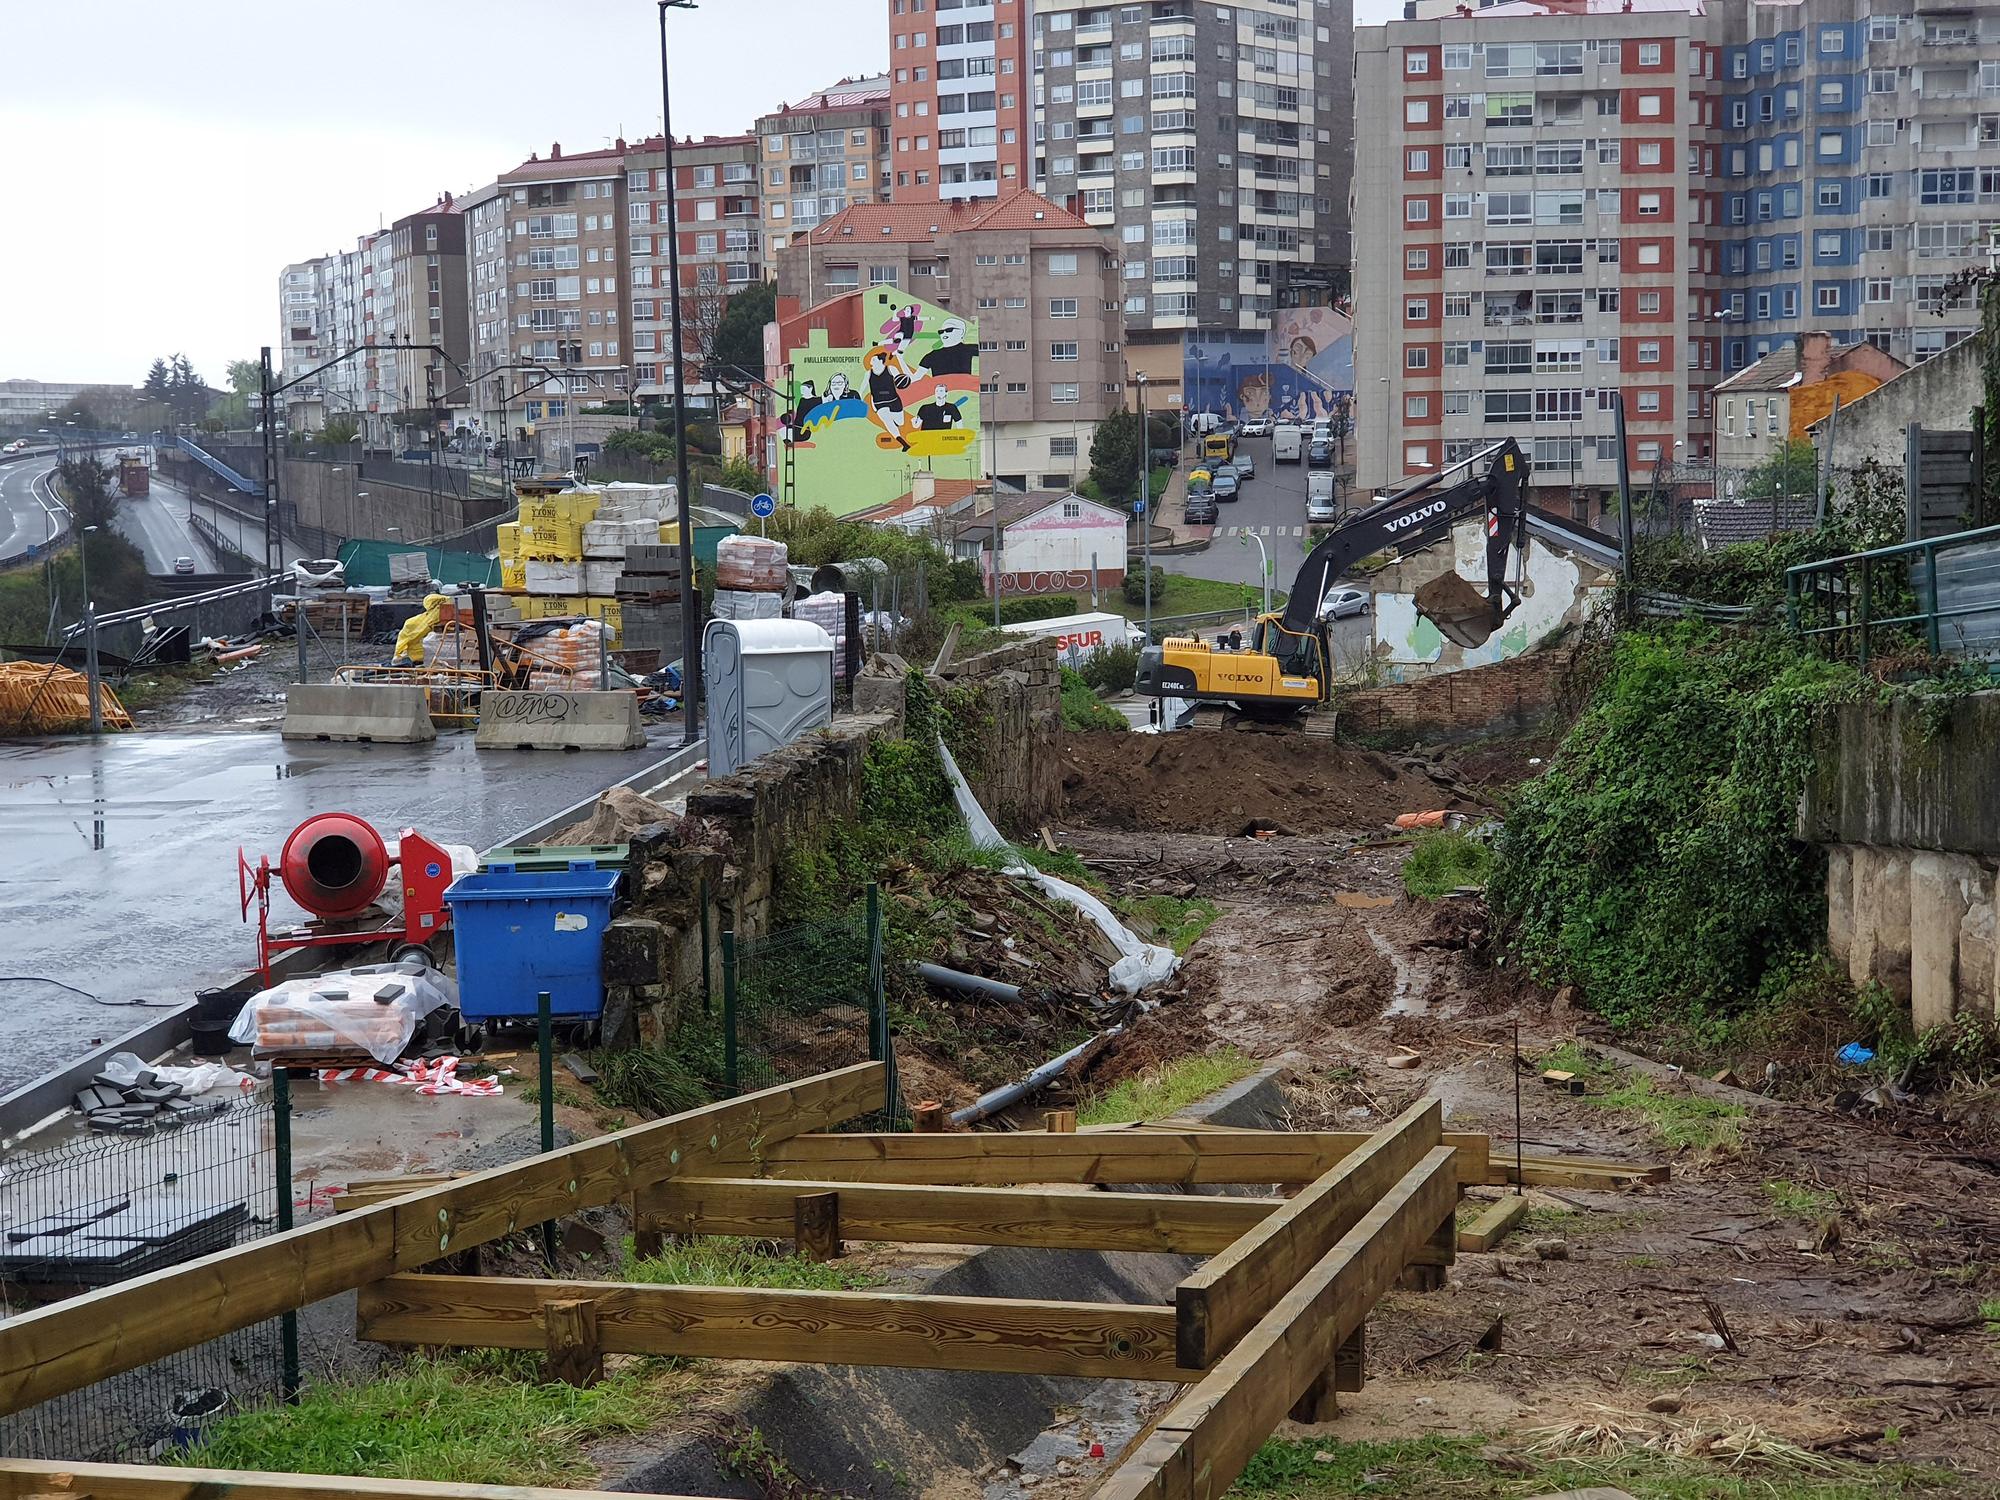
(767, 682)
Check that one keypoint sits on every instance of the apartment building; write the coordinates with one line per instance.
(1535, 167)
(423, 303)
(718, 197)
(299, 329)
(827, 151)
(1824, 165)
(1213, 142)
(489, 306)
(1044, 287)
(959, 93)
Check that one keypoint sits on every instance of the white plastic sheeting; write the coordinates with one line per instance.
(1142, 965)
(376, 1008)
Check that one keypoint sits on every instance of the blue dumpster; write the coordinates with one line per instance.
(519, 932)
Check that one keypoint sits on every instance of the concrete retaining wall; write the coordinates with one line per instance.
(1906, 806)
(867, 1431)
(379, 713)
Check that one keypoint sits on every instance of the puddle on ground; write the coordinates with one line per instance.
(1407, 1001)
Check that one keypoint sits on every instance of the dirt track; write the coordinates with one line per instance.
(1845, 1260)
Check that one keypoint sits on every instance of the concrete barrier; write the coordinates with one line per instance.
(381, 713)
(511, 720)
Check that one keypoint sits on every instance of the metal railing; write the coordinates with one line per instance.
(1943, 591)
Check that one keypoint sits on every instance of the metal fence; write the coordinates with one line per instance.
(96, 1211)
(1940, 596)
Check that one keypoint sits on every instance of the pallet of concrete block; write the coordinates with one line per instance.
(551, 539)
(748, 604)
(608, 538)
(639, 502)
(601, 575)
(651, 627)
(651, 574)
(543, 575)
(569, 508)
(751, 564)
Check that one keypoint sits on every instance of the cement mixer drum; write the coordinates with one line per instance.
(334, 864)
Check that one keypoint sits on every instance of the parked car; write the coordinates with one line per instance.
(1225, 485)
(1340, 601)
(1198, 481)
(1244, 464)
(183, 565)
(1255, 427)
(1201, 510)
(1319, 455)
(1321, 504)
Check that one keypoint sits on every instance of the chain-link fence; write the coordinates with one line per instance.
(97, 1211)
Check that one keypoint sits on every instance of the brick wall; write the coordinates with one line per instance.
(1508, 697)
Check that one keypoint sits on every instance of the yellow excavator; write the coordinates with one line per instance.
(1288, 666)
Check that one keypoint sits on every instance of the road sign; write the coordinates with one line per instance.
(762, 506)
(1138, 507)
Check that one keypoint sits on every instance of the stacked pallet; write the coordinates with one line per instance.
(40, 699)
(750, 578)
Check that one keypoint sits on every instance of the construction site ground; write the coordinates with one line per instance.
(1808, 1281)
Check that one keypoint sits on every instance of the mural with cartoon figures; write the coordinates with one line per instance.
(1301, 370)
(866, 419)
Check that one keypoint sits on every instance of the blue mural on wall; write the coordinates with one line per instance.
(1302, 369)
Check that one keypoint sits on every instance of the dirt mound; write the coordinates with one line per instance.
(1237, 781)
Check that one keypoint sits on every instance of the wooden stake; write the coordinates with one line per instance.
(1060, 1122)
(1428, 1274)
(1495, 1222)
(816, 1225)
(928, 1118)
(570, 1327)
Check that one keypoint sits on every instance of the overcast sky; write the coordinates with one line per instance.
(163, 162)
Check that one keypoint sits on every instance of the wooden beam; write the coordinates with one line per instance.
(1493, 1224)
(926, 1214)
(90, 1338)
(816, 1225)
(995, 1159)
(1098, 1339)
(21, 1477)
(1204, 1440)
(569, 1329)
(1223, 1300)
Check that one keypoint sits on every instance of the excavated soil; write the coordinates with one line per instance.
(1234, 781)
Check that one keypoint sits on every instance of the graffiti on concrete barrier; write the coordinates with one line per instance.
(533, 708)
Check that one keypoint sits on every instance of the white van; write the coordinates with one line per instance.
(1288, 443)
(1319, 496)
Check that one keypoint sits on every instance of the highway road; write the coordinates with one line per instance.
(30, 514)
(157, 524)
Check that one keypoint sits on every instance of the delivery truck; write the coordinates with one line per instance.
(1080, 637)
(1288, 443)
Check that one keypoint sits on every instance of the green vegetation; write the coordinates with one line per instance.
(340, 429)
(724, 1261)
(1653, 863)
(1175, 922)
(814, 537)
(1114, 456)
(1082, 709)
(1111, 668)
(480, 1418)
(663, 1081)
(1685, 1121)
(1165, 1091)
(565, 1096)
(1463, 1467)
(1989, 1309)
(1797, 1201)
(1444, 859)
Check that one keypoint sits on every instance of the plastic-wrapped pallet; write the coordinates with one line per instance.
(552, 576)
(751, 562)
(747, 604)
(609, 538)
(600, 575)
(647, 502)
(552, 539)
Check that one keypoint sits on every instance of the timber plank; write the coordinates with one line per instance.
(21, 1477)
(1204, 1440)
(1003, 1335)
(74, 1343)
(1223, 1299)
(993, 1159)
(928, 1214)
(1493, 1224)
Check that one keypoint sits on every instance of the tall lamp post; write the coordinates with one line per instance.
(690, 647)
(90, 633)
(1145, 505)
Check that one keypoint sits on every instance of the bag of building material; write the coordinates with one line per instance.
(553, 576)
(604, 538)
(751, 563)
(743, 604)
(374, 1010)
(650, 502)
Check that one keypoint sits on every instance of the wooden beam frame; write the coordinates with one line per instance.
(928, 1214)
(1163, 1156)
(72, 1344)
(21, 1478)
(1202, 1443)
(1225, 1298)
(1105, 1341)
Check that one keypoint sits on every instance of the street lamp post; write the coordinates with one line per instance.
(690, 647)
(1263, 563)
(1146, 497)
(90, 634)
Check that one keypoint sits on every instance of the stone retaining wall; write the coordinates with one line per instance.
(1508, 697)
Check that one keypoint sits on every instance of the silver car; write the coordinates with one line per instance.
(1244, 465)
(1339, 602)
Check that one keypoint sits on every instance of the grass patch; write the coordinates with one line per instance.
(1797, 1201)
(1442, 860)
(162, 684)
(1424, 1468)
(1161, 1092)
(648, 1078)
(1683, 1121)
(1082, 709)
(1990, 1311)
(565, 1097)
(1176, 922)
(481, 1418)
(723, 1260)
(1571, 1058)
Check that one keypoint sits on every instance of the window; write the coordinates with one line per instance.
(1649, 205)
(1458, 158)
(1458, 305)
(1827, 245)
(1458, 58)
(1649, 352)
(1416, 309)
(1649, 106)
(1416, 163)
(1649, 54)
(1416, 260)
(1649, 253)
(1416, 211)
(1416, 357)
(1827, 297)
(1458, 256)
(1945, 186)
(1457, 206)
(1882, 28)
(1832, 41)
(1510, 109)
(1416, 406)
(1881, 80)
(1509, 408)
(1457, 403)
(1881, 185)
(1880, 289)
(1062, 264)
(1061, 351)
(1832, 94)
(1062, 307)
(1457, 107)
(1064, 394)
(1830, 144)
(1416, 64)
(1415, 111)
(1649, 153)
(1509, 358)
(1649, 304)
(1457, 355)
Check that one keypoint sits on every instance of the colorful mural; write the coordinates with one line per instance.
(865, 419)
(1301, 369)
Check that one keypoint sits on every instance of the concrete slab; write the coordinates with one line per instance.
(378, 713)
(559, 721)
(120, 869)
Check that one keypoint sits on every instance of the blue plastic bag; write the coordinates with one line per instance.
(1854, 1054)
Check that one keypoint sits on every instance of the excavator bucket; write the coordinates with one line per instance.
(1462, 613)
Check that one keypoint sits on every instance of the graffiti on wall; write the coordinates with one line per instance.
(865, 419)
(1301, 369)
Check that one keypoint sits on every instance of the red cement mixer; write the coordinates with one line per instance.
(337, 866)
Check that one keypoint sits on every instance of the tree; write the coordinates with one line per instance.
(86, 485)
(1792, 471)
(159, 383)
(246, 393)
(340, 428)
(1114, 456)
(739, 340)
